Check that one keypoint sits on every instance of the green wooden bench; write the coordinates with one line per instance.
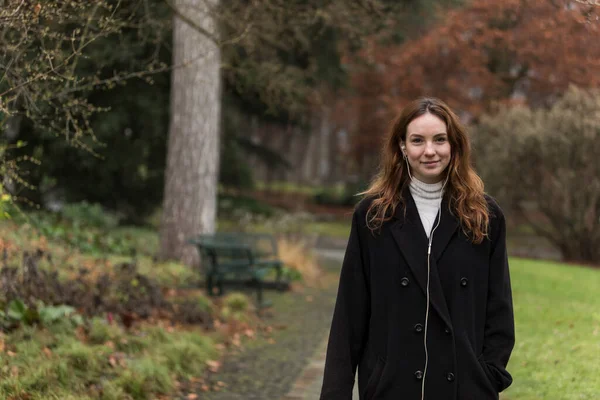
(244, 256)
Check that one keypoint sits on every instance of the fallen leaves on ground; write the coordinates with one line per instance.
(213, 365)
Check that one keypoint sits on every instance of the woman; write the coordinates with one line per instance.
(424, 305)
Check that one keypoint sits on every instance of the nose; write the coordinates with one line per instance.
(429, 149)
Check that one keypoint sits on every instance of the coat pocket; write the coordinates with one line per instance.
(488, 374)
(374, 379)
(500, 379)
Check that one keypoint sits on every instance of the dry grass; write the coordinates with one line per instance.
(296, 254)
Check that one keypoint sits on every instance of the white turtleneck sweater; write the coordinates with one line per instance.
(428, 197)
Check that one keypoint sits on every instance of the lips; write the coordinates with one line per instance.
(430, 162)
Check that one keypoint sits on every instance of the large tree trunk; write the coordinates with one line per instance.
(189, 205)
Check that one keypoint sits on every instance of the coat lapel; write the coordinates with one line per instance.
(410, 236)
(444, 232)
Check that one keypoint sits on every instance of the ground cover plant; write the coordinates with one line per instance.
(81, 322)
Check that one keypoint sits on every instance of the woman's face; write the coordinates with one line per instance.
(427, 148)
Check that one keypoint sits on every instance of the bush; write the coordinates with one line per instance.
(17, 313)
(91, 215)
(544, 165)
(229, 205)
(194, 311)
(123, 291)
(89, 228)
(236, 307)
(340, 195)
(300, 261)
(237, 302)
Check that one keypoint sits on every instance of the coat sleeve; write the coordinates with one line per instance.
(499, 337)
(349, 324)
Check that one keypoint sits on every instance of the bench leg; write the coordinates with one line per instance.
(278, 279)
(220, 286)
(259, 294)
(210, 284)
(213, 281)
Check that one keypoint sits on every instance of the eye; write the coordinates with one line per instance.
(416, 140)
(441, 139)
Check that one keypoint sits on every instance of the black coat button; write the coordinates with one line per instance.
(404, 282)
(418, 328)
(450, 376)
(464, 282)
(419, 375)
(447, 331)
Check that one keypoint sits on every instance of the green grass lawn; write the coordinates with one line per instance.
(557, 317)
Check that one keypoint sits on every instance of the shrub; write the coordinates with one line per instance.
(297, 256)
(229, 205)
(237, 302)
(90, 229)
(87, 214)
(62, 317)
(340, 195)
(544, 165)
(195, 311)
(124, 291)
(236, 307)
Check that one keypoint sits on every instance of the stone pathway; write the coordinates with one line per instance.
(308, 384)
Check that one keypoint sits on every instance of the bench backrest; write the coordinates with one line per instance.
(233, 245)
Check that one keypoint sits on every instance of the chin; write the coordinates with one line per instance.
(431, 176)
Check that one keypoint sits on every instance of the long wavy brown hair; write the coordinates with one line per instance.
(464, 189)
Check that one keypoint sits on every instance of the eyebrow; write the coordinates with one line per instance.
(435, 135)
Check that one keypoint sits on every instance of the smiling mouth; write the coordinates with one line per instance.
(430, 162)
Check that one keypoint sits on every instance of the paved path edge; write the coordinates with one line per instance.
(308, 384)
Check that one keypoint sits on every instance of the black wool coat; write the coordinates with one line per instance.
(379, 319)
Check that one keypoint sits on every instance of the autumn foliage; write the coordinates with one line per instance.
(489, 52)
